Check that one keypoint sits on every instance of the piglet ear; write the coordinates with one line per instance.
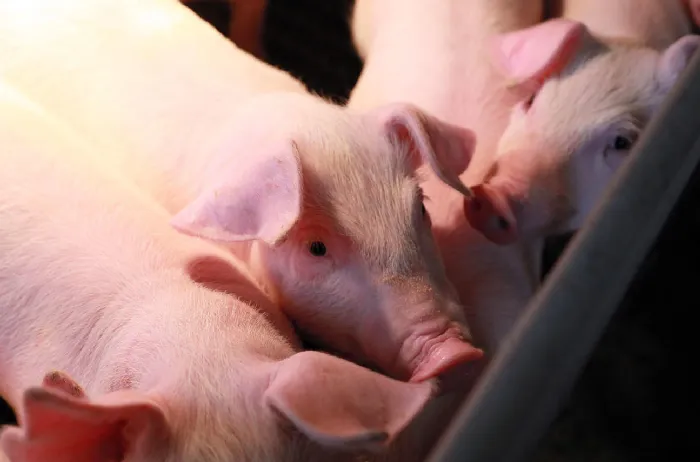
(261, 199)
(339, 404)
(446, 148)
(530, 56)
(59, 427)
(675, 59)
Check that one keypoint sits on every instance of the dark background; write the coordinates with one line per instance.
(634, 401)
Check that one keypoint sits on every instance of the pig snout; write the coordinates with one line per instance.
(490, 212)
(436, 349)
(430, 342)
(501, 206)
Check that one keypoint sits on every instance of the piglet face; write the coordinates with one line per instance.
(576, 125)
(347, 243)
(374, 292)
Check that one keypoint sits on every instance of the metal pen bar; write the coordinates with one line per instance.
(521, 392)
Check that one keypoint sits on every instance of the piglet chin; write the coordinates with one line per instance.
(490, 213)
(445, 356)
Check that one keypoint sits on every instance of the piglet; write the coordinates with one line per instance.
(592, 79)
(321, 202)
(118, 344)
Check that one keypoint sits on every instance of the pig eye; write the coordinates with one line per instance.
(423, 211)
(622, 143)
(317, 248)
(617, 148)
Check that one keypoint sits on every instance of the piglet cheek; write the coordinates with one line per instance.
(490, 212)
(309, 267)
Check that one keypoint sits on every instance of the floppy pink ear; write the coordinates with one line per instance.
(261, 199)
(530, 56)
(675, 59)
(58, 427)
(340, 404)
(446, 148)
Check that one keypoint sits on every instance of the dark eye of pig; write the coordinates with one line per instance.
(317, 248)
(622, 143)
(423, 211)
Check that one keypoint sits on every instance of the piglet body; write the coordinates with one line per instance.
(118, 344)
(320, 202)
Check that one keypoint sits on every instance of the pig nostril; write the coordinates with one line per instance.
(503, 224)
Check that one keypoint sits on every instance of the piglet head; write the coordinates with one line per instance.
(586, 103)
(528, 58)
(337, 407)
(344, 236)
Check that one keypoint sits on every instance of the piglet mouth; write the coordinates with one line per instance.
(440, 354)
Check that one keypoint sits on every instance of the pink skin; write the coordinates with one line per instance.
(241, 155)
(567, 140)
(118, 344)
